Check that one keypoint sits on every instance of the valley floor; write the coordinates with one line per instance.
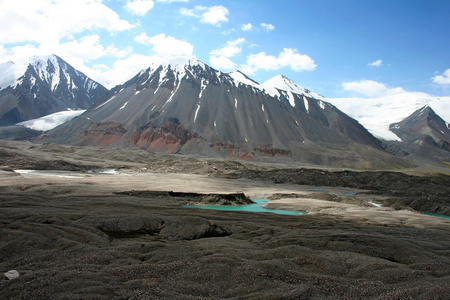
(78, 233)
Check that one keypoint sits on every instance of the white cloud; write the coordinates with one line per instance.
(247, 27)
(442, 79)
(221, 62)
(220, 58)
(47, 21)
(77, 52)
(139, 7)
(287, 58)
(188, 12)
(88, 48)
(214, 15)
(268, 27)
(122, 69)
(166, 46)
(371, 88)
(170, 1)
(43, 27)
(231, 48)
(377, 63)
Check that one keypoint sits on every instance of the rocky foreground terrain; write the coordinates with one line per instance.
(86, 232)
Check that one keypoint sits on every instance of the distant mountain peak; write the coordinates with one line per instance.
(45, 67)
(40, 85)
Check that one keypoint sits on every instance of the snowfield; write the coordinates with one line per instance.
(376, 114)
(49, 122)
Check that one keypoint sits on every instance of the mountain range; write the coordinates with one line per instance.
(41, 86)
(187, 107)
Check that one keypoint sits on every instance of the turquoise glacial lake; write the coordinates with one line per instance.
(256, 207)
(438, 215)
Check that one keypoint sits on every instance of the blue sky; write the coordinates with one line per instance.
(338, 48)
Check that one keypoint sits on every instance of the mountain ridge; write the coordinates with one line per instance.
(424, 134)
(185, 106)
(41, 86)
(197, 109)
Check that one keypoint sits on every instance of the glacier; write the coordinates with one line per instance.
(51, 121)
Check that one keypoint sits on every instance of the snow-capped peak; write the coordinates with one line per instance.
(47, 68)
(240, 77)
(50, 69)
(10, 72)
(281, 82)
(177, 64)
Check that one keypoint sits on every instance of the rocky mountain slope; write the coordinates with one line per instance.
(424, 135)
(188, 107)
(41, 86)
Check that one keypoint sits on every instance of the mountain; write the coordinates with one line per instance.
(41, 86)
(376, 114)
(188, 107)
(424, 134)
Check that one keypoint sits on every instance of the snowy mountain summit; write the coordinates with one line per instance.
(43, 85)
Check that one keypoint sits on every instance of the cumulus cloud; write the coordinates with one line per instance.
(221, 62)
(166, 46)
(122, 69)
(377, 63)
(170, 1)
(247, 27)
(45, 21)
(231, 49)
(214, 15)
(139, 7)
(88, 48)
(78, 52)
(371, 88)
(442, 79)
(267, 27)
(43, 27)
(287, 58)
(220, 58)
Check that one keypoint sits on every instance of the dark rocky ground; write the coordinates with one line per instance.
(422, 193)
(70, 244)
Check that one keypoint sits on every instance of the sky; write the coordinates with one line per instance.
(337, 48)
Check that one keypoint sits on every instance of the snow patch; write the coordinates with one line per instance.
(306, 102)
(375, 204)
(51, 121)
(322, 104)
(262, 107)
(123, 106)
(291, 99)
(196, 112)
(203, 85)
(173, 92)
(106, 102)
(240, 78)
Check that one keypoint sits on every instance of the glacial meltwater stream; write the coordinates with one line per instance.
(256, 207)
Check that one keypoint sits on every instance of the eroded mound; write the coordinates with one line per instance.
(170, 228)
(195, 198)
